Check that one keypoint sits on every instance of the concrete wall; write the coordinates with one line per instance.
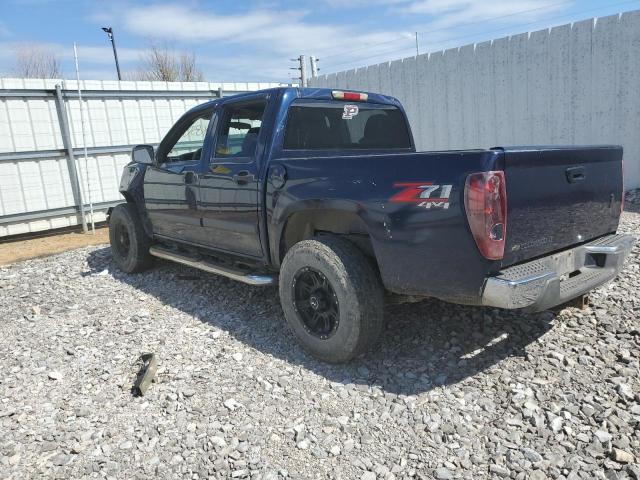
(35, 188)
(573, 84)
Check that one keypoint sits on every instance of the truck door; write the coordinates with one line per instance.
(228, 199)
(170, 186)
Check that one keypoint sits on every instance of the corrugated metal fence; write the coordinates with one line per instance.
(572, 84)
(37, 191)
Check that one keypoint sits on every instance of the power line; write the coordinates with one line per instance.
(387, 52)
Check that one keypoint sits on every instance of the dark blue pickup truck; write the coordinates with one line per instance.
(323, 192)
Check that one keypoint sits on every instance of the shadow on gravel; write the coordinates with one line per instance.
(632, 207)
(424, 344)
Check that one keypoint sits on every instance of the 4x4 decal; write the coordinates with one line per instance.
(423, 193)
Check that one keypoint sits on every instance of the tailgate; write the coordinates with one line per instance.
(560, 196)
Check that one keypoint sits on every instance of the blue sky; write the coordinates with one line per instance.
(254, 41)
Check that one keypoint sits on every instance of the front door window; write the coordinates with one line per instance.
(189, 145)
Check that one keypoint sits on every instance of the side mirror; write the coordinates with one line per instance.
(143, 154)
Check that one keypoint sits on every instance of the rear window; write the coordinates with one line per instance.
(343, 125)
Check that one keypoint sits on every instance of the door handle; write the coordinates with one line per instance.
(575, 174)
(190, 177)
(243, 177)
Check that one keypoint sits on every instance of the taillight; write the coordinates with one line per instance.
(485, 200)
(351, 96)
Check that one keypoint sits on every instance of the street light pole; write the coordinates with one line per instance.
(109, 32)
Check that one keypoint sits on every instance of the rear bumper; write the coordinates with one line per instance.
(558, 278)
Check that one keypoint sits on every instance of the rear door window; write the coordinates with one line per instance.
(343, 125)
(238, 135)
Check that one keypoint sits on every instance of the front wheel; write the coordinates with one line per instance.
(129, 243)
(332, 298)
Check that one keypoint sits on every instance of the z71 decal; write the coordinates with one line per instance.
(425, 194)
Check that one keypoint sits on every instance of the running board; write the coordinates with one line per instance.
(240, 276)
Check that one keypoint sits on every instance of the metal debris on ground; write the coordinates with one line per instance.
(146, 374)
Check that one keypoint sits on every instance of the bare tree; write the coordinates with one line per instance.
(162, 63)
(33, 61)
(188, 69)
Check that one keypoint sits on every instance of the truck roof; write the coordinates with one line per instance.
(306, 92)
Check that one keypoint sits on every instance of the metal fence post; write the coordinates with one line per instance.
(71, 161)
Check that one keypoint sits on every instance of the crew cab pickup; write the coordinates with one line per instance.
(323, 192)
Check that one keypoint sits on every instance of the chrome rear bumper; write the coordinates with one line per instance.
(558, 278)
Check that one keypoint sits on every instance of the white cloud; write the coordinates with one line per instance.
(262, 41)
(449, 13)
(258, 43)
(281, 32)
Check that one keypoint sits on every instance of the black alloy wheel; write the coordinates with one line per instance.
(316, 303)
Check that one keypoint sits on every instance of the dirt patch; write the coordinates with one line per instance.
(24, 249)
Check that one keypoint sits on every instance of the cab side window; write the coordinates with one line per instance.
(189, 145)
(239, 130)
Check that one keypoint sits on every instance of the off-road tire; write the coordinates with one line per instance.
(358, 290)
(132, 255)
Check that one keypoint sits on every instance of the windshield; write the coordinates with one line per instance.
(343, 125)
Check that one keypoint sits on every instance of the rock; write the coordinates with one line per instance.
(625, 391)
(61, 459)
(54, 375)
(48, 446)
(531, 455)
(368, 476)
(621, 456)
(443, 473)
(82, 412)
(602, 436)
(499, 470)
(449, 390)
(537, 475)
(188, 392)
(556, 424)
(232, 404)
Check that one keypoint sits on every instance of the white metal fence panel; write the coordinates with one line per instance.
(35, 188)
(572, 84)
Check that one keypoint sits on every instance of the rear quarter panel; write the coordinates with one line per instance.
(420, 250)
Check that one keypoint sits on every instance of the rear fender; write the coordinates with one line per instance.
(306, 218)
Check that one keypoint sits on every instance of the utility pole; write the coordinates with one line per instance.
(303, 69)
(109, 32)
(314, 66)
(417, 52)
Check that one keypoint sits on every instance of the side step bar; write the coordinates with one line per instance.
(240, 276)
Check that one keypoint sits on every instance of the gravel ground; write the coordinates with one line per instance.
(452, 391)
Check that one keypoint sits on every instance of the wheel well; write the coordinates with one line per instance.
(304, 225)
(142, 214)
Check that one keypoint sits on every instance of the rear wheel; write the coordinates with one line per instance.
(332, 298)
(129, 243)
